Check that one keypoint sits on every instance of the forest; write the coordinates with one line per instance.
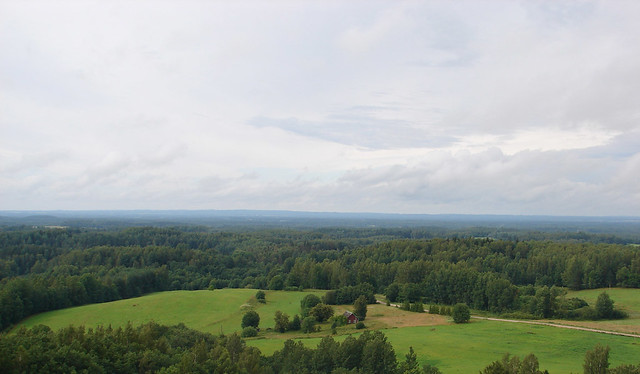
(48, 269)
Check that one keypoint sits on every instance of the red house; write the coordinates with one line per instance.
(351, 318)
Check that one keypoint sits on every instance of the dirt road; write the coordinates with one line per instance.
(542, 324)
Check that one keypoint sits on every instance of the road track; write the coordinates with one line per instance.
(542, 324)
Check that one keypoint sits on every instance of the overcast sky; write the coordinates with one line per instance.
(488, 107)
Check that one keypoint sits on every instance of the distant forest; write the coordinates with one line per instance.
(47, 269)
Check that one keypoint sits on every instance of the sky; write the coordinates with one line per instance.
(465, 107)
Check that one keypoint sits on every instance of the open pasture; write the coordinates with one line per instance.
(453, 348)
(468, 348)
(209, 311)
(626, 299)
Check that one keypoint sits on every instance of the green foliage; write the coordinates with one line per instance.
(406, 305)
(512, 365)
(596, 361)
(44, 270)
(360, 325)
(321, 312)
(604, 306)
(249, 332)
(392, 292)
(378, 356)
(417, 307)
(308, 325)
(282, 321)
(410, 364)
(360, 307)
(338, 320)
(250, 318)
(349, 294)
(461, 313)
(295, 324)
(261, 297)
(308, 302)
(434, 309)
(277, 282)
(146, 348)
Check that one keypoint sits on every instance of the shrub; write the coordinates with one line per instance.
(406, 305)
(260, 296)
(604, 306)
(461, 313)
(249, 332)
(417, 307)
(294, 325)
(308, 302)
(360, 325)
(250, 318)
(360, 307)
(321, 312)
(308, 325)
(282, 321)
(339, 320)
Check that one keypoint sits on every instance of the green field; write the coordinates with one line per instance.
(209, 311)
(470, 347)
(453, 348)
(626, 299)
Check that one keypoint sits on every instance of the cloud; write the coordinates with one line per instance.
(361, 130)
(423, 107)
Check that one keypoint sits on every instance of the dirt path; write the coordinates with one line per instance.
(542, 324)
(559, 326)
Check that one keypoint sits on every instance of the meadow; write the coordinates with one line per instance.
(625, 299)
(436, 340)
(209, 311)
(470, 347)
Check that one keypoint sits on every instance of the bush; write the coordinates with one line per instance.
(250, 318)
(604, 306)
(308, 325)
(339, 320)
(249, 332)
(360, 307)
(308, 302)
(433, 309)
(294, 325)
(406, 305)
(321, 312)
(260, 296)
(461, 313)
(282, 321)
(417, 307)
(360, 325)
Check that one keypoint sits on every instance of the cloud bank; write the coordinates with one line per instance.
(408, 107)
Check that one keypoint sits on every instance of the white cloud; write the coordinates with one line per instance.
(423, 107)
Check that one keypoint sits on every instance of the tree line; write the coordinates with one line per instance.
(44, 270)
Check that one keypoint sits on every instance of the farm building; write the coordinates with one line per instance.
(351, 318)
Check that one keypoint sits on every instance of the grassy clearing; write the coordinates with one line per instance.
(626, 299)
(453, 348)
(470, 347)
(209, 311)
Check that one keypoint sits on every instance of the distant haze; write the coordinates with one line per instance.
(481, 107)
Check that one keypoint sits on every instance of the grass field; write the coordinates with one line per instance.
(470, 347)
(453, 348)
(626, 299)
(209, 311)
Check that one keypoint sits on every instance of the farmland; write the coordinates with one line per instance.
(434, 338)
